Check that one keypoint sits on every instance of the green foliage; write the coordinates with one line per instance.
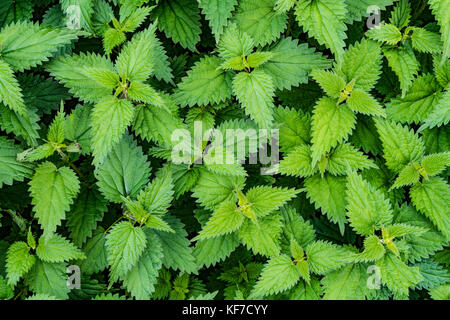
(125, 244)
(332, 131)
(52, 190)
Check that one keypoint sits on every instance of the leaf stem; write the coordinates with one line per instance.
(121, 217)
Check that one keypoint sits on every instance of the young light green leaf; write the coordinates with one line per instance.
(18, 261)
(204, 84)
(53, 191)
(331, 124)
(124, 172)
(324, 20)
(57, 249)
(125, 245)
(259, 19)
(287, 277)
(255, 92)
(367, 209)
(109, 120)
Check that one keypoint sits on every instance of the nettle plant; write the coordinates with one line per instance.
(139, 147)
(400, 40)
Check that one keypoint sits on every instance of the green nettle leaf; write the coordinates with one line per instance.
(235, 43)
(262, 237)
(425, 41)
(110, 118)
(177, 252)
(96, 254)
(401, 15)
(422, 245)
(265, 200)
(373, 249)
(18, 261)
(124, 172)
(298, 162)
(224, 149)
(401, 145)
(330, 82)
(75, 72)
(57, 249)
(104, 77)
(347, 283)
(11, 169)
(141, 279)
(10, 92)
(53, 191)
(204, 84)
(362, 102)
(86, 212)
(77, 127)
(125, 244)
(434, 164)
(324, 20)
(324, 257)
(331, 202)
(259, 19)
(440, 292)
(15, 11)
(217, 12)
(362, 63)
(40, 296)
(331, 124)
(180, 20)
(255, 92)
(398, 276)
(305, 291)
(367, 208)
(296, 227)
(226, 219)
(291, 62)
(25, 45)
(284, 5)
(48, 278)
(42, 93)
(409, 175)
(385, 32)
(213, 189)
(287, 277)
(158, 195)
(418, 103)
(142, 92)
(135, 61)
(135, 19)
(440, 11)
(345, 155)
(434, 274)
(113, 38)
(25, 126)
(258, 58)
(405, 65)
(431, 197)
(154, 123)
(440, 114)
(209, 252)
(259, 201)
